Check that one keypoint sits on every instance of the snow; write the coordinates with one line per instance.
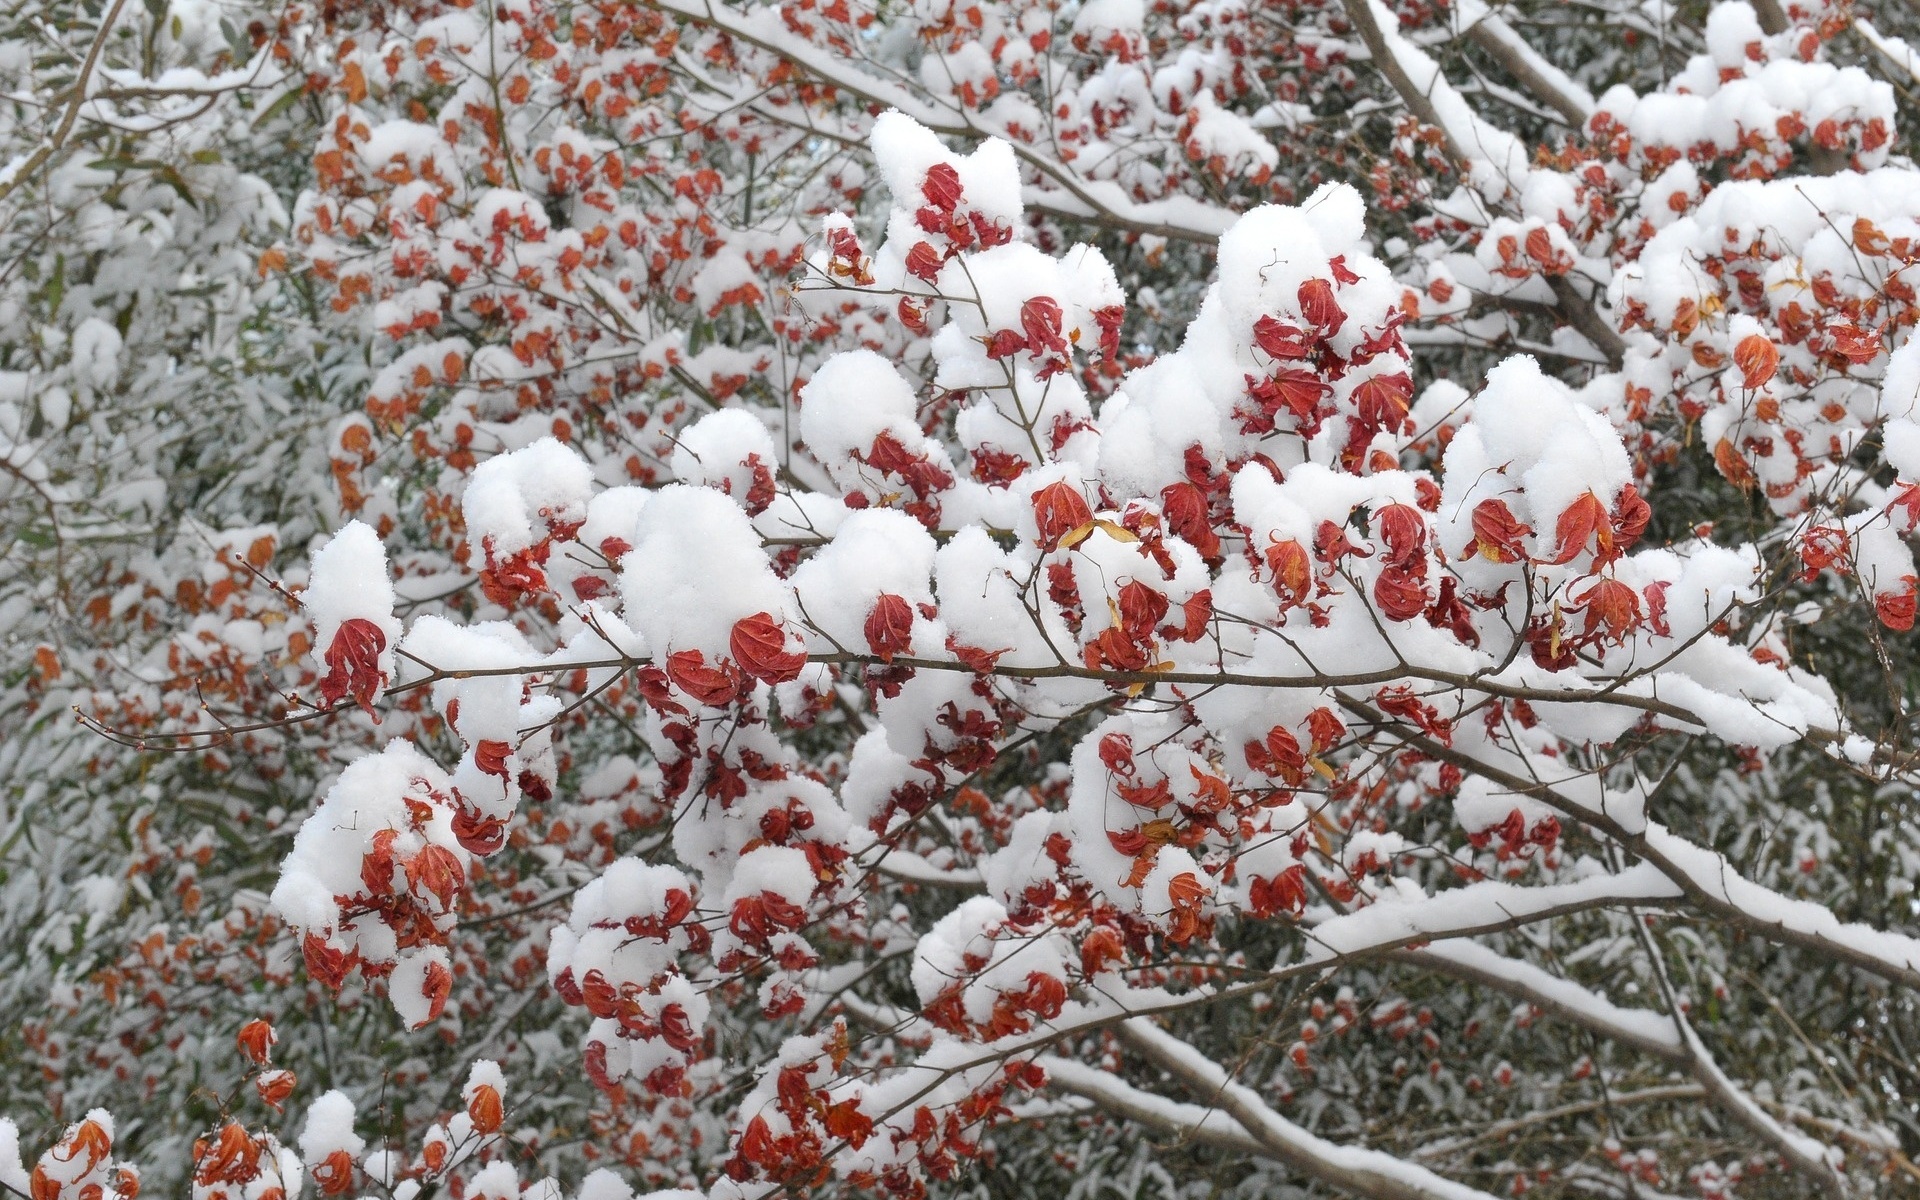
(13, 1176)
(1406, 914)
(393, 807)
(410, 988)
(545, 482)
(874, 552)
(484, 1073)
(350, 581)
(329, 1127)
(723, 449)
(1712, 874)
(1379, 1170)
(1589, 1007)
(696, 569)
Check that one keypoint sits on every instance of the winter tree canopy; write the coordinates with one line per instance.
(718, 600)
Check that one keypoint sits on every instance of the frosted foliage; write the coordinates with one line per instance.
(650, 600)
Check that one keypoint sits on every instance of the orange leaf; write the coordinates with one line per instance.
(1757, 360)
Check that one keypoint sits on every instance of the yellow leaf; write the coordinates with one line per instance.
(1077, 536)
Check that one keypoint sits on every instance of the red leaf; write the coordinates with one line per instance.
(1823, 546)
(1631, 513)
(677, 1030)
(1497, 532)
(1404, 531)
(1195, 615)
(942, 187)
(923, 261)
(1141, 609)
(1153, 796)
(274, 1087)
(436, 871)
(599, 995)
(436, 987)
(1757, 359)
(479, 835)
(1040, 318)
(353, 663)
(1656, 594)
(1400, 594)
(759, 645)
(1292, 572)
(890, 626)
(846, 1122)
(1326, 729)
(1281, 341)
(1100, 947)
(756, 1143)
(1005, 344)
(1185, 890)
(1059, 509)
(1282, 755)
(485, 1110)
(1293, 390)
(980, 661)
(1319, 307)
(334, 1174)
(1383, 400)
(325, 963)
(1330, 544)
(1613, 610)
(255, 1038)
(1584, 520)
(715, 687)
(1540, 245)
(1732, 467)
(491, 757)
(1896, 609)
(1108, 320)
(1185, 509)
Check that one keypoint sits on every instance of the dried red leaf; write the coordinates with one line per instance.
(1318, 306)
(759, 645)
(1612, 610)
(1584, 520)
(1040, 319)
(1059, 509)
(353, 663)
(715, 687)
(436, 987)
(1497, 533)
(942, 187)
(438, 873)
(1292, 572)
(889, 626)
(1896, 609)
(255, 1039)
(1281, 340)
(485, 1110)
(1757, 359)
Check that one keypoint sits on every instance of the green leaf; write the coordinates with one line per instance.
(281, 103)
(118, 165)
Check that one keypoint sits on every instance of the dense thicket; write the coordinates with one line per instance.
(1234, 598)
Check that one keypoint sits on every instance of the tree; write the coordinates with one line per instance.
(815, 598)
